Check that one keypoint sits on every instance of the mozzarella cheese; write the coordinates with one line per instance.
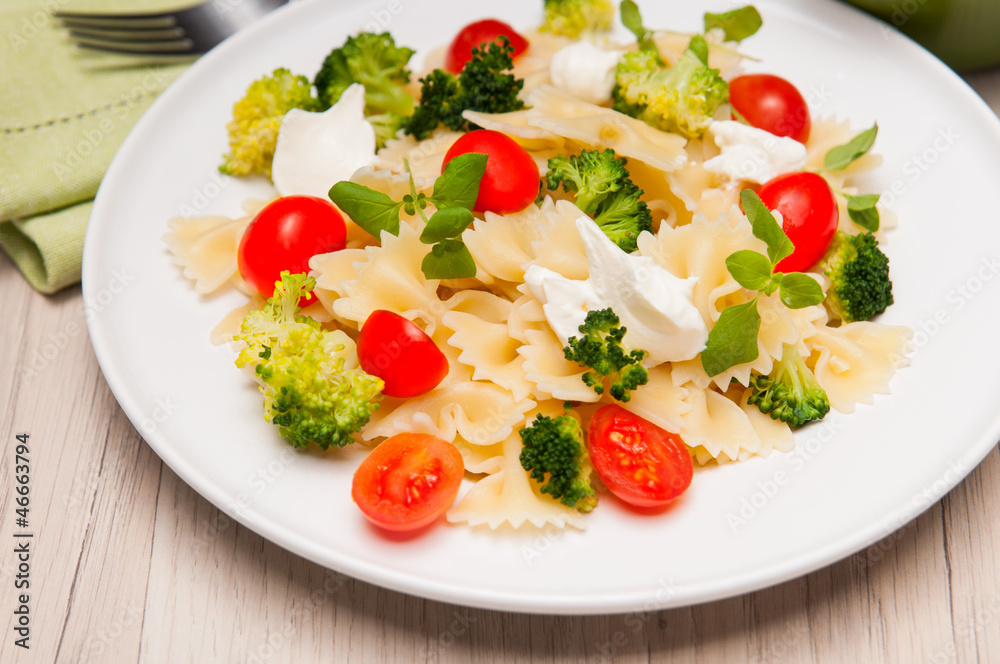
(316, 150)
(654, 305)
(585, 71)
(753, 154)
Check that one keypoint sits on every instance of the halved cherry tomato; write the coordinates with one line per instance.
(408, 481)
(771, 103)
(401, 354)
(511, 180)
(809, 213)
(476, 34)
(284, 236)
(639, 462)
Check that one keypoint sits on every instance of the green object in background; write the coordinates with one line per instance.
(64, 112)
(965, 34)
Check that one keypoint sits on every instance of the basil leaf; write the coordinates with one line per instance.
(738, 24)
(446, 223)
(632, 19)
(765, 227)
(699, 47)
(799, 290)
(459, 184)
(372, 210)
(862, 211)
(750, 269)
(449, 259)
(842, 156)
(733, 339)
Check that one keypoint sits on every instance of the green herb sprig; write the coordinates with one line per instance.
(738, 24)
(733, 339)
(454, 196)
(842, 156)
(861, 209)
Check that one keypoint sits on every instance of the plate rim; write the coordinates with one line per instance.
(606, 603)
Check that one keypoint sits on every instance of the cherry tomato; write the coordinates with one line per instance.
(476, 34)
(810, 216)
(401, 354)
(408, 481)
(511, 180)
(771, 103)
(638, 461)
(284, 236)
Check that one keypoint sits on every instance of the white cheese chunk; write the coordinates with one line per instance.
(753, 154)
(654, 305)
(316, 150)
(585, 71)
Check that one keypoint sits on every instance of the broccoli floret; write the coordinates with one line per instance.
(600, 348)
(679, 99)
(376, 62)
(604, 191)
(859, 275)
(386, 126)
(790, 392)
(553, 452)
(308, 393)
(481, 86)
(253, 131)
(573, 18)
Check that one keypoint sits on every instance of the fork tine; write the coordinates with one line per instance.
(139, 16)
(177, 47)
(169, 34)
(120, 23)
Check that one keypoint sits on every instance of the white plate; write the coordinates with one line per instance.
(852, 480)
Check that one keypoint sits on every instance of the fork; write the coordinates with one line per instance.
(188, 31)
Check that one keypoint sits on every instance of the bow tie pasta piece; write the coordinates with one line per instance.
(480, 459)
(510, 496)
(599, 127)
(517, 125)
(478, 412)
(719, 426)
(672, 44)
(560, 247)
(828, 133)
(699, 250)
(478, 321)
(425, 157)
(501, 245)
(701, 190)
(533, 65)
(660, 401)
(776, 329)
(206, 248)
(552, 375)
(390, 278)
(525, 314)
(856, 361)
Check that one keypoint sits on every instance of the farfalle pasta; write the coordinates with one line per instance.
(508, 362)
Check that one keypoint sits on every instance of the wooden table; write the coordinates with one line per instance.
(130, 564)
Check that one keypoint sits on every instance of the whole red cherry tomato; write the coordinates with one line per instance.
(511, 180)
(284, 236)
(771, 103)
(401, 354)
(639, 462)
(476, 34)
(408, 481)
(809, 214)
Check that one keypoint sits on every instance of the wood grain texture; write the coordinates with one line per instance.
(132, 565)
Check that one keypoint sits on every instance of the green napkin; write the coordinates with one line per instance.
(64, 112)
